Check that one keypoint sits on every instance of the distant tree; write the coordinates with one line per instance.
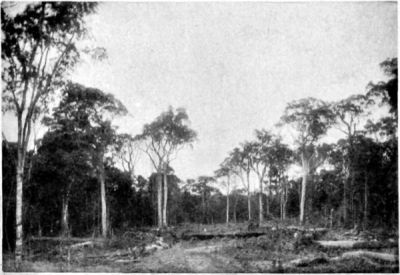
(127, 151)
(237, 195)
(190, 203)
(239, 162)
(311, 119)
(202, 187)
(225, 171)
(260, 162)
(382, 130)
(387, 91)
(378, 161)
(348, 113)
(163, 139)
(38, 48)
(280, 157)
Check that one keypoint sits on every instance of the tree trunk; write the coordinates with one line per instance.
(352, 207)
(64, 216)
(40, 230)
(351, 187)
(159, 200)
(366, 202)
(267, 198)
(203, 204)
(260, 202)
(165, 199)
(285, 199)
(281, 199)
(227, 202)
(249, 204)
(345, 219)
(248, 196)
(104, 226)
(18, 214)
(346, 182)
(234, 208)
(94, 217)
(303, 189)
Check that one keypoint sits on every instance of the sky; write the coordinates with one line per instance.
(233, 66)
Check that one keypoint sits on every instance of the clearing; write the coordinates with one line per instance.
(216, 249)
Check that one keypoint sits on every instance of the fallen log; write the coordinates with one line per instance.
(88, 243)
(65, 239)
(208, 236)
(309, 261)
(369, 254)
(353, 244)
(126, 261)
(303, 229)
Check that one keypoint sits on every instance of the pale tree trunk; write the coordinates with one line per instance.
(165, 199)
(281, 199)
(282, 196)
(249, 204)
(345, 219)
(159, 200)
(39, 229)
(346, 182)
(305, 165)
(267, 197)
(18, 214)
(21, 153)
(64, 216)
(203, 203)
(248, 195)
(260, 202)
(227, 201)
(285, 198)
(104, 226)
(132, 175)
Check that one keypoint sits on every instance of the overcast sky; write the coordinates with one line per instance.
(233, 66)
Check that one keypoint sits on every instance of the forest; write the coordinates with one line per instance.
(74, 200)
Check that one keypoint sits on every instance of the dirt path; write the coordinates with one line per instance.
(180, 258)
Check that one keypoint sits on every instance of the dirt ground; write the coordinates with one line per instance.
(271, 252)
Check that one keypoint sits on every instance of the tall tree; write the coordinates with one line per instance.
(65, 153)
(239, 161)
(38, 48)
(259, 156)
(348, 113)
(280, 157)
(90, 111)
(225, 171)
(163, 139)
(202, 187)
(310, 118)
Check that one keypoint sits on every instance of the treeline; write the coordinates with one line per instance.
(80, 178)
(131, 204)
(351, 182)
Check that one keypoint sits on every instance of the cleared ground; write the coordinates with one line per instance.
(277, 249)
